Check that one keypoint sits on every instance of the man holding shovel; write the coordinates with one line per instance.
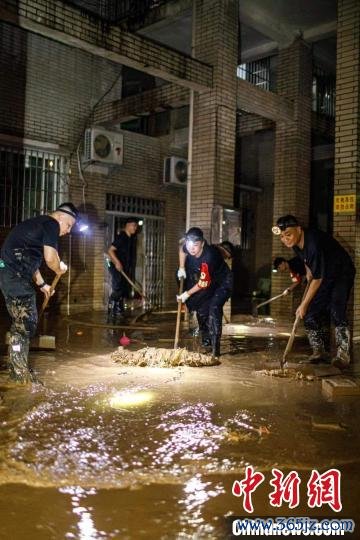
(122, 255)
(330, 273)
(24, 249)
(209, 283)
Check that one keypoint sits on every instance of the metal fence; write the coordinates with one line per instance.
(31, 183)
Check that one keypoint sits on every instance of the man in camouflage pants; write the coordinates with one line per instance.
(22, 253)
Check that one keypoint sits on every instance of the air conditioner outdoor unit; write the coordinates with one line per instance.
(175, 170)
(101, 146)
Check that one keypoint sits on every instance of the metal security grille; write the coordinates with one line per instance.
(257, 73)
(31, 183)
(151, 241)
(134, 205)
(323, 92)
(154, 230)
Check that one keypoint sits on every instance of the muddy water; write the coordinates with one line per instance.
(108, 451)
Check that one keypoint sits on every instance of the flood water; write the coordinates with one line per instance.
(110, 451)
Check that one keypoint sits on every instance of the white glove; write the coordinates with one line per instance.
(63, 267)
(181, 273)
(182, 297)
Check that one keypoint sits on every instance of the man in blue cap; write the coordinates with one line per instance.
(209, 284)
(24, 249)
(330, 273)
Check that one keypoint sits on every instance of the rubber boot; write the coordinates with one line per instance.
(342, 338)
(316, 341)
(215, 346)
(18, 359)
(204, 331)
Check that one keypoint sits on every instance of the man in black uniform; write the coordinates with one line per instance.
(331, 273)
(22, 253)
(122, 254)
(209, 283)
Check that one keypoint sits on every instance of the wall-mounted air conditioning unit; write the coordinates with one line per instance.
(102, 146)
(175, 171)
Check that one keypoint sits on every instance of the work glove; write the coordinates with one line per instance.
(182, 297)
(181, 273)
(63, 267)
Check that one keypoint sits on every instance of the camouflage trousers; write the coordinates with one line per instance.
(20, 299)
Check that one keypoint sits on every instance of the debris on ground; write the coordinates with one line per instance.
(159, 357)
(328, 426)
(249, 432)
(287, 374)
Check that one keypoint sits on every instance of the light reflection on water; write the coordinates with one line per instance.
(86, 529)
(74, 437)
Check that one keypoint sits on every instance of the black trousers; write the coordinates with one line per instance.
(20, 299)
(209, 312)
(330, 302)
(119, 285)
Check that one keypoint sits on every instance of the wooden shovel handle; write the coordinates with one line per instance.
(178, 316)
(52, 288)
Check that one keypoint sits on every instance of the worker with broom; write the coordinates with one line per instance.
(294, 266)
(24, 249)
(330, 273)
(122, 254)
(209, 284)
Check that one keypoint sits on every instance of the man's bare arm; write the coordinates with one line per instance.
(116, 262)
(52, 260)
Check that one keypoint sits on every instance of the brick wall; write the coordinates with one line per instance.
(214, 111)
(60, 86)
(347, 136)
(292, 152)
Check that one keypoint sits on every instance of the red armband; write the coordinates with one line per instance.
(205, 280)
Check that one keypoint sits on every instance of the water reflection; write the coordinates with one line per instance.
(86, 529)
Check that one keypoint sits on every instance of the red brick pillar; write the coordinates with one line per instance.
(292, 167)
(347, 140)
(213, 157)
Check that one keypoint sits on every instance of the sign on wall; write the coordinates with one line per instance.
(345, 204)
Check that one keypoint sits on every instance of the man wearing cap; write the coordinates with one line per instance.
(24, 249)
(122, 254)
(331, 273)
(209, 283)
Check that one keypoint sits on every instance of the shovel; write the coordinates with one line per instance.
(138, 290)
(178, 316)
(293, 331)
(284, 293)
(134, 286)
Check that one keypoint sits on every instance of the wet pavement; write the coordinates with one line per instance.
(110, 451)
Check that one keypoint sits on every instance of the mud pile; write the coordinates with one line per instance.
(159, 357)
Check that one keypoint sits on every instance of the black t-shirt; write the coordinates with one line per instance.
(124, 245)
(23, 249)
(208, 271)
(325, 257)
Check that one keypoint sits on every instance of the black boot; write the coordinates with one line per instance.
(342, 338)
(316, 342)
(215, 346)
(204, 331)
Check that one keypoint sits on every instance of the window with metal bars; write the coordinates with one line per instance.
(257, 73)
(323, 92)
(32, 182)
